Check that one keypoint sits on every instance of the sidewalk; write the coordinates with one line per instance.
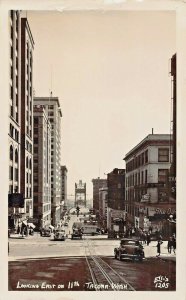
(151, 251)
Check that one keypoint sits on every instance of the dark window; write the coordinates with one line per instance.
(11, 173)
(27, 162)
(162, 175)
(16, 156)
(16, 174)
(146, 176)
(163, 155)
(11, 153)
(146, 156)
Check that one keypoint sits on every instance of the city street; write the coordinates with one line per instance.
(41, 261)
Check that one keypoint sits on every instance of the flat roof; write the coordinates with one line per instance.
(150, 137)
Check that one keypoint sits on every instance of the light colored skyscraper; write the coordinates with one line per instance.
(42, 168)
(53, 111)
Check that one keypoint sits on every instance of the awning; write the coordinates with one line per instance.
(25, 222)
(31, 225)
(50, 226)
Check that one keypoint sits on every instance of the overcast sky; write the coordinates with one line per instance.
(111, 73)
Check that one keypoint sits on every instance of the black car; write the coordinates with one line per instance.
(130, 249)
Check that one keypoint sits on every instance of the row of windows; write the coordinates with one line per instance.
(14, 133)
(13, 174)
(137, 179)
(141, 178)
(13, 155)
(138, 161)
(142, 159)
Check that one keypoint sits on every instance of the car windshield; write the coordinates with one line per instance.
(135, 243)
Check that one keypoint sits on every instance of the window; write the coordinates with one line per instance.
(163, 155)
(30, 164)
(11, 173)
(11, 153)
(162, 175)
(16, 156)
(146, 176)
(146, 156)
(16, 174)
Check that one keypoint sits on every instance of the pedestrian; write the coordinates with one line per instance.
(148, 239)
(18, 229)
(159, 247)
(174, 244)
(169, 245)
(145, 237)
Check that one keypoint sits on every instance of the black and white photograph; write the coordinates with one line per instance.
(92, 129)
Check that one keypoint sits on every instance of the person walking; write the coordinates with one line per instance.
(174, 244)
(148, 239)
(159, 247)
(169, 245)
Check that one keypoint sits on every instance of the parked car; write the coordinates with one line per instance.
(45, 232)
(59, 235)
(77, 234)
(129, 248)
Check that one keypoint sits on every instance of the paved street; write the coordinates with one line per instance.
(42, 263)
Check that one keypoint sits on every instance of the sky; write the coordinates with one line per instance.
(111, 73)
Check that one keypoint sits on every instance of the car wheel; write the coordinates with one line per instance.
(115, 255)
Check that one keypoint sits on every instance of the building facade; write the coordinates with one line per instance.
(63, 189)
(54, 114)
(103, 206)
(147, 201)
(116, 200)
(98, 183)
(27, 45)
(20, 118)
(42, 168)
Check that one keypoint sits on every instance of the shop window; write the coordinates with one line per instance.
(163, 155)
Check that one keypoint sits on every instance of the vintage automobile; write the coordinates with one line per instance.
(77, 234)
(59, 235)
(130, 249)
(45, 232)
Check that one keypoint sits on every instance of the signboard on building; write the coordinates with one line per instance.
(116, 228)
(145, 198)
(117, 213)
(16, 200)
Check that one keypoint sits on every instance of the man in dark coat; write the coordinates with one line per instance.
(169, 245)
(159, 247)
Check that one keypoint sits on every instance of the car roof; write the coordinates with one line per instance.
(133, 240)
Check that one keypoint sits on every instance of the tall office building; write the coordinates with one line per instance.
(98, 183)
(27, 45)
(42, 168)
(20, 118)
(54, 114)
(63, 189)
